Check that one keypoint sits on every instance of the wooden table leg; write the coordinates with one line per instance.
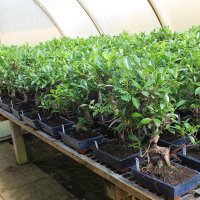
(18, 143)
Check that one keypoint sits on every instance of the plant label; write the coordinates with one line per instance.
(96, 144)
(137, 164)
(184, 151)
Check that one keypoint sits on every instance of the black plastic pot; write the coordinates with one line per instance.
(189, 161)
(168, 190)
(184, 114)
(117, 163)
(81, 146)
(17, 111)
(5, 106)
(34, 123)
(177, 142)
(54, 130)
(5, 103)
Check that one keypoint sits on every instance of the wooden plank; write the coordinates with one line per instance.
(116, 179)
(18, 143)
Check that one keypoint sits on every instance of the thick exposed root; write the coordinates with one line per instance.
(163, 152)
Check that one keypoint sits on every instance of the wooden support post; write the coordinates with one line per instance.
(115, 193)
(18, 143)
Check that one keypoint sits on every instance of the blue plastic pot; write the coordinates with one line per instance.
(121, 164)
(189, 161)
(81, 146)
(54, 130)
(168, 190)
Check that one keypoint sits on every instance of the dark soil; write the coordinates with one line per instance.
(82, 135)
(118, 148)
(23, 106)
(71, 116)
(173, 176)
(34, 115)
(194, 152)
(53, 121)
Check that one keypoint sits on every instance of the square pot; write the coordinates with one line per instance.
(54, 130)
(117, 163)
(17, 112)
(168, 190)
(34, 123)
(189, 161)
(82, 146)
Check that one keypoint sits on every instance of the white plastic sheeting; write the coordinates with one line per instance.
(115, 16)
(24, 21)
(71, 18)
(179, 15)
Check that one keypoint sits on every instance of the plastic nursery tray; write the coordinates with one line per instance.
(82, 146)
(170, 191)
(54, 130)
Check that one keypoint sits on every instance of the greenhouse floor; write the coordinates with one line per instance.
(26, 182)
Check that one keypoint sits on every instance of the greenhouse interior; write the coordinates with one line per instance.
(100, 100)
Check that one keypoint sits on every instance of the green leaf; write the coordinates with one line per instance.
(180, 103)
(166, 97)
(127, 62)
(132, 137)
(175, 72)
(157, 122)
(192, 140)
(145, 121)
(145, 93)
(136, 102)
(197, 91)
(136, 114)
(126, 97)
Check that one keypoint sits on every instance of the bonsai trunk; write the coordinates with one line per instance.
(163, 152)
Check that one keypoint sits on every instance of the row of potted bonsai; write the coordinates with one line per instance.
(124, 101)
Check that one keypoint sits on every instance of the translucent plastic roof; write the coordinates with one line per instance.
(24, 21)
(34, 21)
(71, 18)
(179, 15)
(115, 16)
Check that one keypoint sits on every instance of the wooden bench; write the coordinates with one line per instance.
(118, 186)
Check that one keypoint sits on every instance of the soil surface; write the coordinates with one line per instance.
(118, 148)
(82, 135)
(173, 176)
(34, 115)
(194, 152)
(52, 121)
(70, 115)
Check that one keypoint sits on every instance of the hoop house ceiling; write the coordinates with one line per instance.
(70, 17)
(179, 15)
(23, 21)
(113, 17)
(34, 21)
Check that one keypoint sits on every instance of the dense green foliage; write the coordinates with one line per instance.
(136, 81)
